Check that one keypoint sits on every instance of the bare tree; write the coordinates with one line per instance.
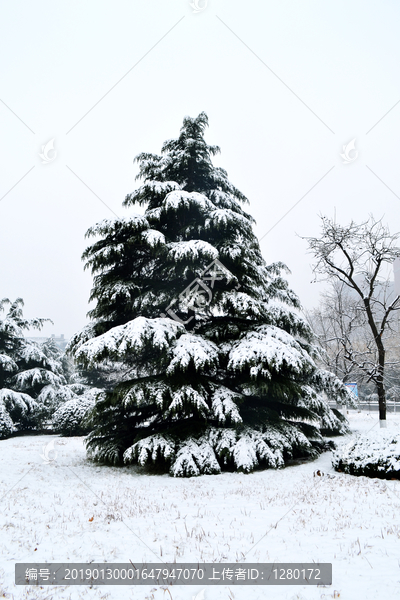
(336, 323)
(357, 256)
(341, 328)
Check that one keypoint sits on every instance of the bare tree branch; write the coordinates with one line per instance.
(356, 256)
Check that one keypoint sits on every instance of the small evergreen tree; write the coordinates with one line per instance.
(32, 375)
(206, 361)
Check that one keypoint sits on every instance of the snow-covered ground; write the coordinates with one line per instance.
(72, 510)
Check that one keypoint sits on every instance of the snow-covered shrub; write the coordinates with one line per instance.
(374, 454)
(70, 417)
(53, 397)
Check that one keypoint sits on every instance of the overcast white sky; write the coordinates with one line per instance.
(285, 85)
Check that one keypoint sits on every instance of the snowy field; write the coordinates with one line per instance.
(75, 511)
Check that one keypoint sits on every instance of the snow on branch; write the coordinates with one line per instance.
(194, 350)
(266, 349)
(195, 457)
(17, 401)
(80, 338)
(225, 217)
(7, 363)
(37, 376)
(109, 227)
(192, 250)
(242, 305)
(223, 405)
(180, 199)
(153, 237)
(146, 393)
(132, 337)
(187, 401)
(150, 449)
(150, 190)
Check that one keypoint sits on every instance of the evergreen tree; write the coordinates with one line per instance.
(32, 376)
(200, 346)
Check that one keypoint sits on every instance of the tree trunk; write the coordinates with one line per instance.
(381, 391)
(381, 363)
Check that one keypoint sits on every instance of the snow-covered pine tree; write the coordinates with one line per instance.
(207, 362)
(32, 376)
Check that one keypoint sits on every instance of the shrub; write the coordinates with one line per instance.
(70, 418)
(375, 454)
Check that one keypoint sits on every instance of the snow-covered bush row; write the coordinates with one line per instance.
(374, 454)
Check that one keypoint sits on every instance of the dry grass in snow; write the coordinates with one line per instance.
(72, 510)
